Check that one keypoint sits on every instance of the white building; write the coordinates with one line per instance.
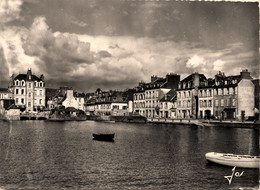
(28, 91)
(5, 94)
(107, 108)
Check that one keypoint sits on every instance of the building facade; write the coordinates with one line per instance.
(28, 91)
(188, 96)
(5, 94)
(148, 95)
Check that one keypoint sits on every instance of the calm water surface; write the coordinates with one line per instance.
(62, 155)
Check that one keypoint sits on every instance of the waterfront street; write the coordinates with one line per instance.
(63, 155)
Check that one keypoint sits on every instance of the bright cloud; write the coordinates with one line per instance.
(218, 65)
(9, 10)
(107, 61)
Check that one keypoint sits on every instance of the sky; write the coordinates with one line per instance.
(116, 44)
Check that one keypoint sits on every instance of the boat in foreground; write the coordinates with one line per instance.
(104, 137)
(227, 159)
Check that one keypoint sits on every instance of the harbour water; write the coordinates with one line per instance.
(63, 155)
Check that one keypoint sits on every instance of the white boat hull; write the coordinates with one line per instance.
(242, 161)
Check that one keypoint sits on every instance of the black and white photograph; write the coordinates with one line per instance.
(129, 94)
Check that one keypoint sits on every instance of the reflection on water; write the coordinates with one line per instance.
(63, 155)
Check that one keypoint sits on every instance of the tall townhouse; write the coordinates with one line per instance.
(167, 108)
(205, 95)
(148, 99)
(188, 97)
(234, 96)
(28, 91)
(139, 102)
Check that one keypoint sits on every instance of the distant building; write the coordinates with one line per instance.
(224, 97)
(80, 98)
(187, 96)
(28, 91)
(6, 94)
(257, 97)
(234, 96)
(107, 108)
(148, 95)
(168, 105)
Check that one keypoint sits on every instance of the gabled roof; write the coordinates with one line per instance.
(24, 77)
(169, 96)
(191, 77)
(12, 107)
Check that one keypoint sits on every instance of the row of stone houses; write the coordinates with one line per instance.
(28, 93)
(195, 97)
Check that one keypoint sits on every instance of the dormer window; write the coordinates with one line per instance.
(234, 81)
(179, 85)
(184, 85)
(189, 84)
(35, 83)
(22, 83)
(17, 83)
(226, 82)
(217, 83)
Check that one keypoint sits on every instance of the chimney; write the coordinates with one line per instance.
(42, 77)
(172, 80)
(29, 74)
(153, 78)
(196, 79)
(245, 74)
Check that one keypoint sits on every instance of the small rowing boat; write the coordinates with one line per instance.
(103, 137)
(242, 161)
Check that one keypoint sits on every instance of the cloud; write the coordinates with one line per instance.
(218, 65)
(110, 62)
(57, 53)
(195, 61)
(78, 23)
(10, 10)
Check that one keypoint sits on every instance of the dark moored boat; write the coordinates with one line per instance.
(104, 137)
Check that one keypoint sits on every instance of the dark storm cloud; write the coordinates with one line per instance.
(104, 42)
(57, 53)
(4, 70)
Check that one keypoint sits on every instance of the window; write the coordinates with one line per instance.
(231, 91)
(22, 91)
(16, 100)
(201, 103)
(216, 103)
(16, 91)
(35, 83)
(29, 94)
(228, 102)
(188, 103)
(22, 83)
(189, 94)
(205, 103)
(29, 85)
(210, 93)
(219, 91)
(215, 91)
(29, 104)
(22, 101)
(222, 102)
(234, 102)
(40, 101)
(209, 103)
